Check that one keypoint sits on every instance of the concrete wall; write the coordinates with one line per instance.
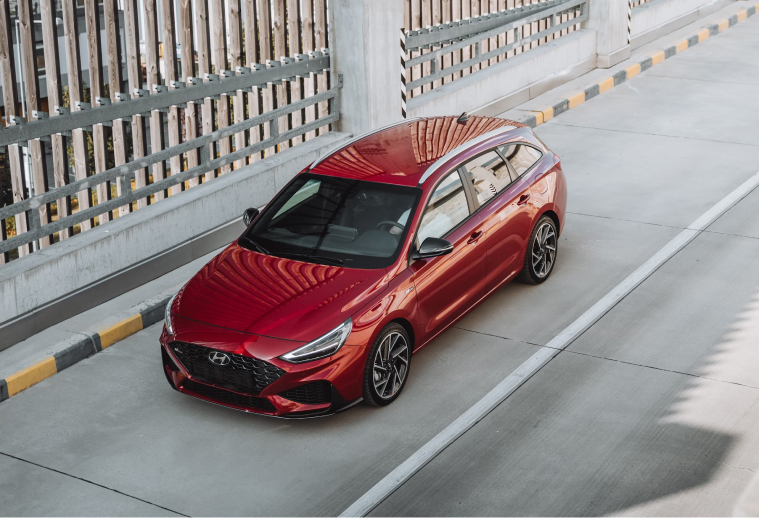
(654, 19)
(511, 82)
(609, 19)
(53, 274)
(366, 40)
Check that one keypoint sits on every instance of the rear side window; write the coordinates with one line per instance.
(446, 209)
(520, 156)
(489, 175)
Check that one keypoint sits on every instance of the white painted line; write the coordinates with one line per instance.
(513, 381)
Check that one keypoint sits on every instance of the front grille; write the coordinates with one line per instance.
(232, 398)
(242, 374)
(311, 394)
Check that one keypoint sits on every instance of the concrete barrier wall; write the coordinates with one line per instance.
(654, 19)
(511, 82)
(210, 210)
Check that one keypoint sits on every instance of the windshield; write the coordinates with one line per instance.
(340, 221)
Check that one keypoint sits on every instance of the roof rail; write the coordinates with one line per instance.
(482, 138)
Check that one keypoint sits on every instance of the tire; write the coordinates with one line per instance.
(542, 249)
(375, 392)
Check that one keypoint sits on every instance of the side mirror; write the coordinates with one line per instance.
(432, 247)
(248, 216)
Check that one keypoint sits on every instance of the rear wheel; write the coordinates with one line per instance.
(541, 252)
(387, 365)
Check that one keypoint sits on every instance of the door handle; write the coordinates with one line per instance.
(474, 237)
(523, 199)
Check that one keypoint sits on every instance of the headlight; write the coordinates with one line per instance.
(169, 327)
(322, 347)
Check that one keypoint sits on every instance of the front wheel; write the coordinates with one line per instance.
(541, 252)
(387, 365)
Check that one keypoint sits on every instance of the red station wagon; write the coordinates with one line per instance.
(360, 261)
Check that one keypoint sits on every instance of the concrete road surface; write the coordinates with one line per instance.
(653, 410)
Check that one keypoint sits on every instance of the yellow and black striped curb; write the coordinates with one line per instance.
(84, 345)
(538, 117)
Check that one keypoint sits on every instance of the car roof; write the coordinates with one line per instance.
(401, 153)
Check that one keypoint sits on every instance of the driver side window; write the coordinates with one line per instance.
(446, 209)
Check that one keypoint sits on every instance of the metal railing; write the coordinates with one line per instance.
(20, 133)
(504, 32)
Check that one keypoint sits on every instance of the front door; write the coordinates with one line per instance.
(448, 285)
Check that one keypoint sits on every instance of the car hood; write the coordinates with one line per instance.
(272, 296)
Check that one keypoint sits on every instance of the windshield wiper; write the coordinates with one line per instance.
(258, 247)
(313, 258)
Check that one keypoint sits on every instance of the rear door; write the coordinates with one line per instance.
(503, 202)
(524, 203)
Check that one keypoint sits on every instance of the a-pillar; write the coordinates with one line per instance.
(366, 42)
(610, 20)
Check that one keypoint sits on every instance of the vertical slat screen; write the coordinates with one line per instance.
(320, 41)
(308, 44)
(219, 60)
(187, 42)
(113, 52)
(73, 64)
(135, 79)
(92, 23)
(54, 98)
(234, 33)
(32, 93)
(10, 99)
(116, 50)
(252, 58)
(171, 77)
(153, 80)
(278, 28)
(293, 34)
(264, 35)
(203, 29)
(420, 14)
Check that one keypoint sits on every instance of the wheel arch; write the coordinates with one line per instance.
(408, 327)
(551, 214)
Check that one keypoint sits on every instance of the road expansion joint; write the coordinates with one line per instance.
(627, 220)
(704, 80)
(729, 234)
(92, 483)
(498, 336)
(642, 365)
(658, 225)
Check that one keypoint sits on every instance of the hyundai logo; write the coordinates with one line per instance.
(218, 358)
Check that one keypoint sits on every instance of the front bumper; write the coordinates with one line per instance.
(316, 388)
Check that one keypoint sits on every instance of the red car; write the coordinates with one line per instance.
(362, 259)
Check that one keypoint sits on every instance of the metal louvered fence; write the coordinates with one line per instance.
(171, 94)
(448, 50)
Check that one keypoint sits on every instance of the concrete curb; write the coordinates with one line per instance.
(538, 117)
(83, 345)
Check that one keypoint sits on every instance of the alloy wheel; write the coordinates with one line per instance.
(390, 365)
(544, 250)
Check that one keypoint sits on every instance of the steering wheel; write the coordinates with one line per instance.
(391, 223)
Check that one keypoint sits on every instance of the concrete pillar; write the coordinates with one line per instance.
(609, 19)
(365, 40)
